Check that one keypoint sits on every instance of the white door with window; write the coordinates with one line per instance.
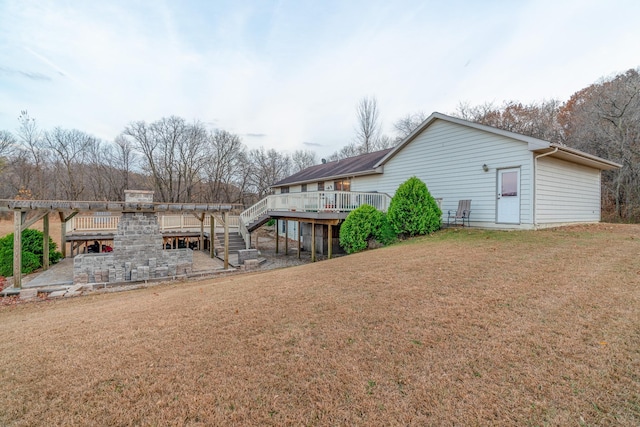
(508, 196)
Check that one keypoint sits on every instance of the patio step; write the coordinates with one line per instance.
(236, 242)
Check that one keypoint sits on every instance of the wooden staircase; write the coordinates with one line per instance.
(257, 222)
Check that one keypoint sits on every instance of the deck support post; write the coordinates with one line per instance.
(277, 234)
(18, 218)
(45, 242)
(299, 233)
(286, 237)
(226, 240)
(313, 242)
(330, 244)
(212, 230)
(201, 242)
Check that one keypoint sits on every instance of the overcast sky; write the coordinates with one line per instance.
(288, 74)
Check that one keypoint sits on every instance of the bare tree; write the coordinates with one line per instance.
(368, 127)
(268, 167)
(349, 150)
(172, 152)
(302, 159)
(121, 157)
(224, 166)
(7, 143)
(68, 150)
(31, 176)
(407, 124)
(538, 119)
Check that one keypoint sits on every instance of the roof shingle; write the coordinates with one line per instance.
(358, 165)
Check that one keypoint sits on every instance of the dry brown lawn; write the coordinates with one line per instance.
(460, 328)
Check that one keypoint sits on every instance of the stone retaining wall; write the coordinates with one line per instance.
(104, 268)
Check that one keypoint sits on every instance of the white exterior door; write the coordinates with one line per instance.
(508, 196)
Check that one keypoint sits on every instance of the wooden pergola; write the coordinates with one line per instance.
(28, 212)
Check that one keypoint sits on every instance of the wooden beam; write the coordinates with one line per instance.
(277, 235)
(219, 218)
(45, 242)
(33, 220)
(226, 240)
(313, 242)
(18, 217)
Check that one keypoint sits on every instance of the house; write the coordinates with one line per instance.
(514, 181)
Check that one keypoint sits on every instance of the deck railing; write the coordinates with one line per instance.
(104, 221)
(315, 201)
(327, 201)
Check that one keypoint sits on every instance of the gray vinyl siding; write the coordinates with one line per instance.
(567, 192)
(448, 157)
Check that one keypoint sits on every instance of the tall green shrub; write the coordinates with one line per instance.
(32, 252)
(413, 211)
(363, 226)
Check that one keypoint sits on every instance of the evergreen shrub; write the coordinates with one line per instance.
(413, 211)
(365, 226)
(31, 252)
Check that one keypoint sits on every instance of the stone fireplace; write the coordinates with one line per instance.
(138, 253)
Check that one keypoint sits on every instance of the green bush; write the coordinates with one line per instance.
(31, 252)
(362, 227)
(413, 211)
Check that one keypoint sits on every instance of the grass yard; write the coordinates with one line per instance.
(465, 327)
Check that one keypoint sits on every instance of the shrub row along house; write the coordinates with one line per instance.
(514, 182)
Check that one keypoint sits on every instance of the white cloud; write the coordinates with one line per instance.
(294, 71)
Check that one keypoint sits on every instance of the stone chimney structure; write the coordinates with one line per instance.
(138, 252)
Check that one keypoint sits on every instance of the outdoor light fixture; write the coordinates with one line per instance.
(485, 168)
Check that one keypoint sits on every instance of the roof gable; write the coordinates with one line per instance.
(363, 164)
(533, 144)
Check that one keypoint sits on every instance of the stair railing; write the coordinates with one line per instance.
(250, 215)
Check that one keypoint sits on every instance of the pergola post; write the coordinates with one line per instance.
(63, 232)
(63, 236)
(45, 242)
(18, 217)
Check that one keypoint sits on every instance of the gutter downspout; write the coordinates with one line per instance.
(535, 183)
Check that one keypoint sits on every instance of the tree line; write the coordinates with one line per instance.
(187, 162)
(181, 161)
(602, 119)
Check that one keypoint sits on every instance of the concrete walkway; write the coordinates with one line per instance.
(60, 274)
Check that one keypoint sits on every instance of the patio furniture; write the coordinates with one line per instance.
(462, 214)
